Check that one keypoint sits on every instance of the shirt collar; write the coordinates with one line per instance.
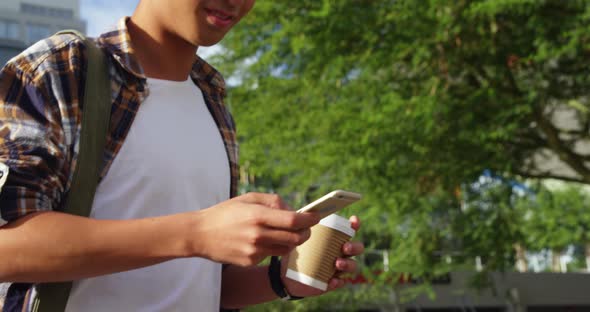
(117, 42)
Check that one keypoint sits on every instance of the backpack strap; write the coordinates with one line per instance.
(96, 113)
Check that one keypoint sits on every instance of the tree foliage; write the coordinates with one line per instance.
(556, 219)
(408, 102)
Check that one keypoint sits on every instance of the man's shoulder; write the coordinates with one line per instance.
(203, 70)
(54, 54)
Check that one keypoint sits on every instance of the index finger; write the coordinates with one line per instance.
(290, 220)
(269, 200)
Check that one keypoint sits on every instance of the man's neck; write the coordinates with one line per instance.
(162, 55)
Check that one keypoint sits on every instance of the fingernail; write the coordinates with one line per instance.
(335, 283)
(340, 264)
(348, 247)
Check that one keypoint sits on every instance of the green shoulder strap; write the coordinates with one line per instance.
(53, 297)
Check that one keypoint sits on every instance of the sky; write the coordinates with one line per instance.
(100, 15)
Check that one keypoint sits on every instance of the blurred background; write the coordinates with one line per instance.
(464, 124)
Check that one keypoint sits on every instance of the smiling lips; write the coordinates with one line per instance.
(219, 18)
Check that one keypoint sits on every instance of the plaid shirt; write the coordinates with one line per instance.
(41, 93)
(40, 108)
(40, 118)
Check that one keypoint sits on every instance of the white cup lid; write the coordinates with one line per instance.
(339, 223)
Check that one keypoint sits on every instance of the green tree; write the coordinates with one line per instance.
(556, 220)
(407, 102)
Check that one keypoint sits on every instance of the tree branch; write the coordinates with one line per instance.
(579, 133)
(512, 82)
(559, 147)
(547, 175)
(531, 140)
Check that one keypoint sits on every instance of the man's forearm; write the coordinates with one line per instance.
(245, 286)
(52, 246)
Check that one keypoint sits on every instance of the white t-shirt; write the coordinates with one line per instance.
(173, 160)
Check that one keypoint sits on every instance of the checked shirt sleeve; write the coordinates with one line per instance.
(38, 124)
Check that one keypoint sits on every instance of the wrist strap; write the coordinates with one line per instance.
(276, 283)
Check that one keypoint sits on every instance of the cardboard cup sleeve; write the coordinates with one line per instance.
(313, 262)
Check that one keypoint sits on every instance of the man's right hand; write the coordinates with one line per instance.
(246, 229)
(53, 246)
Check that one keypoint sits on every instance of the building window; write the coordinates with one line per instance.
(9, 29)
(37, 32)
(41, 10)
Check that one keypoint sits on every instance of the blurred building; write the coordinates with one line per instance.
(507, 292)
(24, 22)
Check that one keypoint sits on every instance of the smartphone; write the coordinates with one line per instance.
(331, 202)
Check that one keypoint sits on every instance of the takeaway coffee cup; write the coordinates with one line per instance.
(313, 262)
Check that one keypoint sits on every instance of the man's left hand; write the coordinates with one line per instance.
(343, 265)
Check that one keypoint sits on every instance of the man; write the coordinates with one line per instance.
(149, 243)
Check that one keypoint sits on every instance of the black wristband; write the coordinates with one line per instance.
(276, 283)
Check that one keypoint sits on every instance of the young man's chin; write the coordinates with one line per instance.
(206, 42)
